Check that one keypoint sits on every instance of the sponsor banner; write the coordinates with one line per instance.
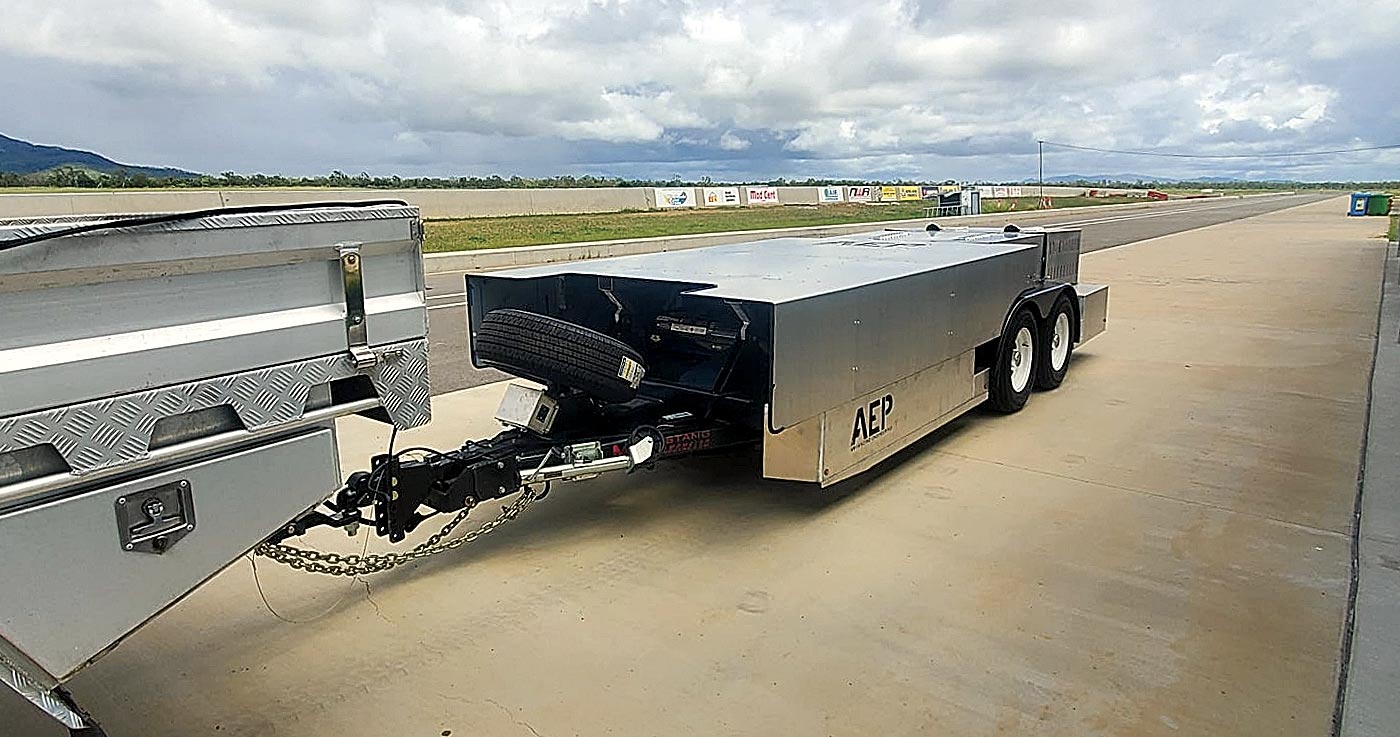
(829, 194)
(761, 195)
(1015, 192)
(998, 192)
(669, 197)
(909, 193)
(945, 188)
(889, 194)
(928, 193)
(860, 194)
(720, 196)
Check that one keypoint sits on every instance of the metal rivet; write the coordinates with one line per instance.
(121, 500)
(129, 546)
(189, 527)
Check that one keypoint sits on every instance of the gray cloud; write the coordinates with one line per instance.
(725, 89)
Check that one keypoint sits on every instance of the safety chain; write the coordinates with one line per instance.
(335, 564)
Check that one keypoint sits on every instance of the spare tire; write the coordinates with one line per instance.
(559, 353)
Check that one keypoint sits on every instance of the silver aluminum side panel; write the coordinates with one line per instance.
(89, 316)
(846, 344)
(74, 591)
(1093, 310)
(854, 436)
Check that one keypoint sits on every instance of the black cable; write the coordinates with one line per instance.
(175, 217)
(1220, 156)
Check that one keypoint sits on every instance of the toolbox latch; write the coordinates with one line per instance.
(152, 521)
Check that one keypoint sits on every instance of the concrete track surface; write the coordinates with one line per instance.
(1159, 547)
(1102, 227)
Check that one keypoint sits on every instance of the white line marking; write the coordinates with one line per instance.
(443, 307)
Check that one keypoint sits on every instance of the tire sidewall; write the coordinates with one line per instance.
(1003, 395)
(1046, 375)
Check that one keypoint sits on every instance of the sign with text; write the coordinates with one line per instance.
(928, 193)
(829, 194)
(721, 196)
(669, 197)
(761, 195)
(860, 194)
(909, 193)
(889, 194)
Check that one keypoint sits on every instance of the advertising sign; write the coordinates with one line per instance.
(860, 194)
(909, 193)
(721, 196)
(761, 195)
(1014, 192)
(928, 193)
(670, 197)
(829, 194)
(998, 192)
(889, 194)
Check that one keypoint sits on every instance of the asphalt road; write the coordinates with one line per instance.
(447, 330)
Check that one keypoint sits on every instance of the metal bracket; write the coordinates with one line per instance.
(356, 334)
(605, 285)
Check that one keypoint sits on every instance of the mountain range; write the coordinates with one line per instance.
(23, 157)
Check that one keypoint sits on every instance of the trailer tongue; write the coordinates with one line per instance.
(168, 386)
(828, 354)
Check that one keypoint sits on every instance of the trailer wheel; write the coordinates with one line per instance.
(1057, 337)
(559, 353)
(1013, 375)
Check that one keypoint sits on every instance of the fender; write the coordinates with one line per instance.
(1041, 300)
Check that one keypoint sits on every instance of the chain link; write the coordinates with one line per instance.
(335, 564)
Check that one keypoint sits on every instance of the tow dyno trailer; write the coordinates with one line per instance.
(185, 395)
(831, 353)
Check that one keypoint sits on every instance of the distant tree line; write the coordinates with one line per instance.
(84, 178)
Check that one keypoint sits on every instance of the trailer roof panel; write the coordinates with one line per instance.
(789, 269)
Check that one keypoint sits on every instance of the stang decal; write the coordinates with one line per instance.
(871, 420)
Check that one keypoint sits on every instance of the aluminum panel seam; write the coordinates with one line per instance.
(117, 430)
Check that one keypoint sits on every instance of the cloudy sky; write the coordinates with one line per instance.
(732, 90)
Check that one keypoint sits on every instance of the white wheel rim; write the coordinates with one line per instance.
(1022, 359)
(1059, 342)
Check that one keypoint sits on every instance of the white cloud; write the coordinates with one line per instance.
(815, 87)
(730, 142)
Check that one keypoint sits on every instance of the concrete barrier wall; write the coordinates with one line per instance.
(434, 203)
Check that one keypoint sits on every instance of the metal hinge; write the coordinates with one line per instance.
(357, 337)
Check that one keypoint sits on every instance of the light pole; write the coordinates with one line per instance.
(1040, 156)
